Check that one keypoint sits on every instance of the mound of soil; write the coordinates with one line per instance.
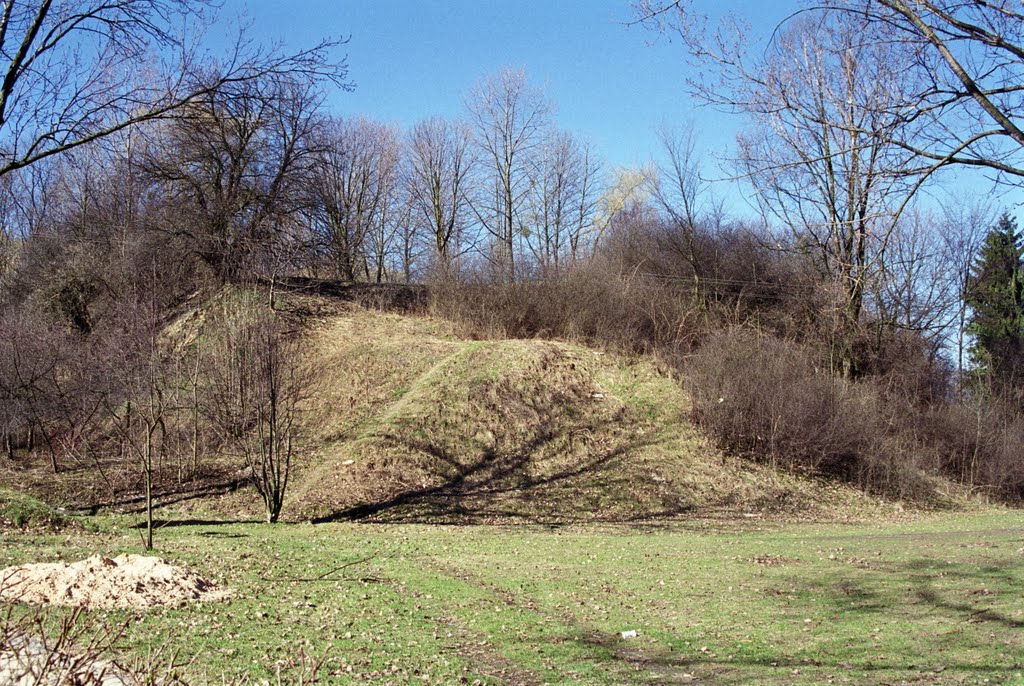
(126, 581)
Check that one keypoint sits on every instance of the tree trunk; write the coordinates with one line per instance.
(53, 453)
(148, 470)
(195, 414)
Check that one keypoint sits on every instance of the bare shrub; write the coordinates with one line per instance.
(905, 364)
(42, 648)
(253, 395)
(977, 443)
(998, 461)
(592, 303)
(773, 401)
(765, 398)
(38, 652)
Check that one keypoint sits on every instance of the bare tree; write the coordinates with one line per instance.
(49, 382)
(410, 246)
(254, 397)
(627, 194)
(395, 217)
(439, 173)
(961, 101)
(964, 103)
(917, 290)
(19, 379)
(140, 406)
(81, 70)
(26, 204)
(962, 231)
(8, 229)
(563, 200)
(269, 452)
(232, 167)
(509, 117)
(821, 153)
(683, 197)
(355, 179)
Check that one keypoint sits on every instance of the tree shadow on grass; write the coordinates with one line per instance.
(663, 665)
(175, 523)
(500, 487)
(956, 609)
(973, 582)
(968, 612)
(136, 504)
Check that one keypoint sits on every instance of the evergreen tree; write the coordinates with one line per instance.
(996, 297)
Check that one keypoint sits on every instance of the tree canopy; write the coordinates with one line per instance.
(996, 298)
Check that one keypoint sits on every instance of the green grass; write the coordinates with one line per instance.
(935, 601)
(405, 423)
(23, 511)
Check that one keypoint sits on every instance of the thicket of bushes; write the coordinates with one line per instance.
(756, 359)
(772, 400)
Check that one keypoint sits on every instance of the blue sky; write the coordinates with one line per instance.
(612, 84)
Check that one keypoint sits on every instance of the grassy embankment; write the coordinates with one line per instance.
(405, 421)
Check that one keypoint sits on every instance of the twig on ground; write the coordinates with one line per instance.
(326, 576)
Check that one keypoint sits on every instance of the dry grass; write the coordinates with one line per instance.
(406, 422)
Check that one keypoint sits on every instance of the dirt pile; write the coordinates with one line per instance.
(124, 582)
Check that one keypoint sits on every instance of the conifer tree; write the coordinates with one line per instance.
(996, 297)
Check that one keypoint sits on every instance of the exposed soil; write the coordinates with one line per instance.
(124, 582)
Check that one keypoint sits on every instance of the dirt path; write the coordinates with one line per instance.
(630, 658)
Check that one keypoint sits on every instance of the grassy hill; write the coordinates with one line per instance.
(406, 421)
(21, 511)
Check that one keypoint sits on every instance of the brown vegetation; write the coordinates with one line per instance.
(151, 334)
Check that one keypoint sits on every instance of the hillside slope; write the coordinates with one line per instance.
(405, 421)
(402, 419)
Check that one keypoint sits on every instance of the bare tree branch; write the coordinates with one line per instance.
(53, 99)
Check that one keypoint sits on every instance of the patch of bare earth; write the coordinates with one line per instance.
(124, 582)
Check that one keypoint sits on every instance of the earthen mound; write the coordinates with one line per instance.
(126, 581)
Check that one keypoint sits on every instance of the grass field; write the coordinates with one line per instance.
(935, 601)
